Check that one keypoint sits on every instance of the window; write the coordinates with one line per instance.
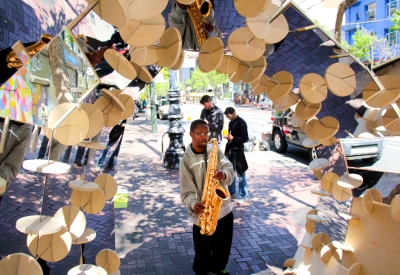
(371, 11)
(391, 7)
(391, 37)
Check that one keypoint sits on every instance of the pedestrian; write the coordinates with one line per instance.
(234, 150)
(211, 252)
(16, 145)
(214, 117)
(114, 136)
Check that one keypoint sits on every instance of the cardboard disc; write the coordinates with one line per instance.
(185, 2)
(350, 181)
(95, 119)
(211, 54)
(251, 71)
(235, 77)
(297, 122)
(85, 269)
(108, 260)
(142, 73)
(259, 85)
(327, 141)
(129, 105)
(3, 185)
(39, 225)
(13, 264)
(328, 180)
(73, 219)
(341, 79)
(377, 98)
(281, 84)
(144, 56)
(51, 248)
(370, 196)
(169, 48)
(112, 97)
(341, 194)
(305, 110)
(327, 127)
(108, 185)
(111, 107)
(91, 202)
(316, 218)
(272, 32)
(114, 12)
(179, 63)
(73, 128)
(313, 88)
(145, 32)
(245, 46)
(83, 185)
(309, 143)
(251, 8)
(92, 145)
(310, 126)
(143, 9)
(87, 236)
(46, 166)
(119, 63)
(287, 101)
(320, 240)
(319, 164)
(321, 193)
(229, 65)
(391, 121)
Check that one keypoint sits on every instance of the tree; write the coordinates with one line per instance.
(198, 80)
(215, 78)
(396, 21)
(344, 5)
(370, 48)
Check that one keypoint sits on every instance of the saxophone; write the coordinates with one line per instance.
(13, 60)
(213, 195)
(199, 10)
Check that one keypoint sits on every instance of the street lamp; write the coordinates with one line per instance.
(176, 148)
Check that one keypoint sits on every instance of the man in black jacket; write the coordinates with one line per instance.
(237, 136)
(214, 118)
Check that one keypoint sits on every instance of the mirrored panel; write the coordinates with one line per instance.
(58, 73)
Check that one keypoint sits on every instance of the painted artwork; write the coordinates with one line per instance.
(17, 95)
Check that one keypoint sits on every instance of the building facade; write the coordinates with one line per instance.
(373, 15)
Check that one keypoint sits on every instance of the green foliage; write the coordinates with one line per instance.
(68, 37)
(396, 21)
(363, 44)
(161, 88)
(201, 81)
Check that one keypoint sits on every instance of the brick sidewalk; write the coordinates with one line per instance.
(154, 234)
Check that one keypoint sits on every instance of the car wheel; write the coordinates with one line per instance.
(312, 153)
(280, 142)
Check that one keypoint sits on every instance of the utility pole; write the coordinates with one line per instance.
(153, 109)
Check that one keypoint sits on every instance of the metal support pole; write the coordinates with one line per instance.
(153, 109)
(176, 148)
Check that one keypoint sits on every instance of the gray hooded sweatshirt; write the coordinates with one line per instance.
(193, 171)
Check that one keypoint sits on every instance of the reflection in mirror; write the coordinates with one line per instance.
(58, 73)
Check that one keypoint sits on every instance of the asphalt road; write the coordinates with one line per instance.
(259, 121)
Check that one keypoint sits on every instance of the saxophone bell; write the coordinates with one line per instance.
(205, 7)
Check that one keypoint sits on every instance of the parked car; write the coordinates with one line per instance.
(266, 103)
(284, 133)
(223, 104)
(163, 109)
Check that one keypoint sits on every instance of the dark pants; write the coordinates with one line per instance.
(78, 157)
(212, 252)
(43, 151)
(113, 155)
